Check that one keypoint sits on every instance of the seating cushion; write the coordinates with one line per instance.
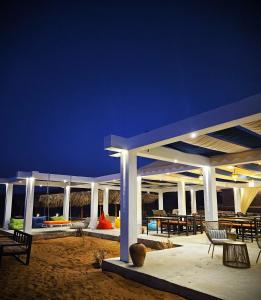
(217, 234)
(219, 241)
(58, 218)
(16, 224)
(152, 225)
(104, 223)
(117, 222)
(56, 222)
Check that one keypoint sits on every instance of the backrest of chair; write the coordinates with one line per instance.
(209, 225)
(217, 234)
(23, 237)
(159, 212)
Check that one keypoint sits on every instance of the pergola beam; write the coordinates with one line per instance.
(174, 156)
(234, 114)
(248, 156)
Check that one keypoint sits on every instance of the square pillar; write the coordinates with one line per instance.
(8, 205)
(128, 200)
(182, 198)
(139, 205)
(210, 194)
(193, 201)
(160, 201)
(105, 203)
(29, 205)
(66, 202)
(94, 206)
(237, 199)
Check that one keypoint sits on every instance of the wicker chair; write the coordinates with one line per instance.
(217, 234)
(258, 240)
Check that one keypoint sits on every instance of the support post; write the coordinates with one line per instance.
(139, 205)
(105, 203)
(160, 201)
(29, 205)
(128, 203)
(237, 199)
(8, 205)
(182, 198)
(210, 194)
(193, 201)
(94, 206)
(66, 202)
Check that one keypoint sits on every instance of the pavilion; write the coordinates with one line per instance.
(221, 147)
(215, 150)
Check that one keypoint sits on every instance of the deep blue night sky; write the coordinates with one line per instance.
(72, 72)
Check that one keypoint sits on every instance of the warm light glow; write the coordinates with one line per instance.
(65, 181)
(167, 173)
(175, 160)
(251, 183)
(37, 215)
(57, 215)
(200, 177)
(230, 167)
(41, 185)
(234, 175)
(193, 135)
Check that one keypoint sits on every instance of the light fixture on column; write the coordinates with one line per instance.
(234, 175)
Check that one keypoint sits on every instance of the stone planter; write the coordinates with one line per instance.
(138, 254)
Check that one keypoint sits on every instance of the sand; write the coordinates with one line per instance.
(62, 269)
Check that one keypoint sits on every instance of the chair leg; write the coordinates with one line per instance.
(213, 250)
(258, 256)
(209, 248)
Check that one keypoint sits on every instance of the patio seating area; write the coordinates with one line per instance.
(190, 272)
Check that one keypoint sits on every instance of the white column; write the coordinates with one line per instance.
(8, 205)
(181, 198)
(237, 200)
(94, 206)
(105, 203)
(139, 205)
(29, 205)
(66, 202)
(128, 203)
(210, 194)
(160, 201)
(193, 201)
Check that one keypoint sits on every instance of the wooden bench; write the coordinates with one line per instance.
(17, 244)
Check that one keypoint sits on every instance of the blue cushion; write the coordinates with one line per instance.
(152, 225)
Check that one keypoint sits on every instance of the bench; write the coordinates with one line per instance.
(17, 244)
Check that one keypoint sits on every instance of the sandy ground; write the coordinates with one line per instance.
(62, 269)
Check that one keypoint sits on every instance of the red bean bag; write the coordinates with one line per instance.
(104, 223)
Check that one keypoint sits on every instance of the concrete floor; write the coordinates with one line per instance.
(190, 271)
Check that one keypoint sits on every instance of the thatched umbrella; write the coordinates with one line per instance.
(82, 198)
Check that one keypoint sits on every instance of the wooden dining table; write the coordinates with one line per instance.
(241, 224)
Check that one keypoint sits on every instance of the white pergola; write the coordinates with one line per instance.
(221, 139)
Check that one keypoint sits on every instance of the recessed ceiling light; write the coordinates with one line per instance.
(193, 135)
